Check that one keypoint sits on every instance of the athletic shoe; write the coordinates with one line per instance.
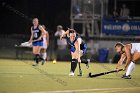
(88, 63)
(43, 61)
(71, 74)
(126, 77)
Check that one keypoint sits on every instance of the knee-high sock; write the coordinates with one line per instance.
(130, 68)
(73, 64)
(37, 58)
(84, 61)
(44, 56)
(40, 57)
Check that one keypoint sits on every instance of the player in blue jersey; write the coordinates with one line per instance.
(78, 48)
(37, 33)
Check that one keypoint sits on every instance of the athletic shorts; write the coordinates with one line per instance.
(135, 48)
(37, 43)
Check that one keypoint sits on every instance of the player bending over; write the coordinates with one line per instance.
(45, 45)
(37, 32)
(130, 53)
(78, 48)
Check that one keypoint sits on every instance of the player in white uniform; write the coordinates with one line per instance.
(130, 53)
(45, 45)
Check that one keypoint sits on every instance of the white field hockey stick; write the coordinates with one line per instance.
(28, 44)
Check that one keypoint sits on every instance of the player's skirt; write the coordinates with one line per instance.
(38, 43)
(135, 48)
(83, 49)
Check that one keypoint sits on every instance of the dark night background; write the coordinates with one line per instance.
(133, 5)
(50, 13)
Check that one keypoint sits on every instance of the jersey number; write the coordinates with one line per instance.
(35, 35)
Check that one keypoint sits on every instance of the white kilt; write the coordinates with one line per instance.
(135, 48)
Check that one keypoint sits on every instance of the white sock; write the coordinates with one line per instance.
(44, 56)
(130, 68)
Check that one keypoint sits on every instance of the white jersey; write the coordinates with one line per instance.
(135, 47)
(45, 41)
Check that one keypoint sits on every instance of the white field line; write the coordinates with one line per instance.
(88, 90)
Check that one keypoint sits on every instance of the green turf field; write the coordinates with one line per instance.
(18, 76)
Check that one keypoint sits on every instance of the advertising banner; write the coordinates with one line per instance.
(116, 27)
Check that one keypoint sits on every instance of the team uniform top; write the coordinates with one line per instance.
(83, 46)
(36, 33)
(135, 47)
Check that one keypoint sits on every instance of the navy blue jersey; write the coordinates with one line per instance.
(71, 43)
(36, 33)
(82, 45)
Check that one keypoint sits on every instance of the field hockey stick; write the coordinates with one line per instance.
(80, 70)
(104, 73)
(28, 43)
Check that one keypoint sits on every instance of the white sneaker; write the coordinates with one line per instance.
(71, 74)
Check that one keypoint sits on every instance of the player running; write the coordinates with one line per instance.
(78, 48)
(45, 45)
(37, 32)
(130, 52)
